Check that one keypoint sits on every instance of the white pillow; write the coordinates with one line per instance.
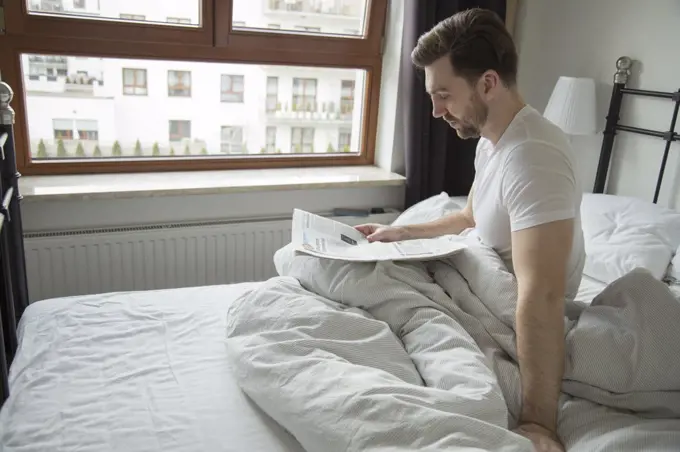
(623, 233)
(429, 209)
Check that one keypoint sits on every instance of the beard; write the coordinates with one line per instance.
(470, 125)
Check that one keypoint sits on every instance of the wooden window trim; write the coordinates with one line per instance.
(214, 41)
(135, 84)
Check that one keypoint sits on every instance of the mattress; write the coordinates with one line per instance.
(138, 371)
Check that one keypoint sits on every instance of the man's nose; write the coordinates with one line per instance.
(438, 110)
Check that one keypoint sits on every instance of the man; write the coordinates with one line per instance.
(524, 202)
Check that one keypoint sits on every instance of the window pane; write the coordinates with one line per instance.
(103, 107)
(326, 17)
(170, 12)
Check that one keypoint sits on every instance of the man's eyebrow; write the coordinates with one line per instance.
(437, 90)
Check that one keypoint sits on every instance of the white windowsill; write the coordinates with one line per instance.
(137, 185)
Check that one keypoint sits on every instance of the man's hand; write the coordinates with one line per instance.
(543, 439)
(381, 233)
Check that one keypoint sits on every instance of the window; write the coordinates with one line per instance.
(272, 94)
(178, 20)
(180, 130)
(179, 83)
(270, 146)
(133, 17)
(238, 24)
(347, 97)
(344, 140)
(302, 140)
(140, 10)
(232, 140)
(232, 88)
(308, 29)
(344, 12)
(134, 82)
(304, 94)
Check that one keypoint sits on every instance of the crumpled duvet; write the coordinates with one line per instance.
(404, 356)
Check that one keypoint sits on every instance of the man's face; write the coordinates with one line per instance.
(455, 100)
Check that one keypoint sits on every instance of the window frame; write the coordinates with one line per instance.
(231, 90)
(186, 86)
(134, 86)
(213, 41)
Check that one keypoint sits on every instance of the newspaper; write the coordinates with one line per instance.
(323, 237)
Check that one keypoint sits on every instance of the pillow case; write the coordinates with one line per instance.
(429, 209)
(623, 233)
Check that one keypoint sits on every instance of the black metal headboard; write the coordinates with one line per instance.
(14, 288)
(623, 66)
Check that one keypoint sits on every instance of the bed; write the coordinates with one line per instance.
(148, 371)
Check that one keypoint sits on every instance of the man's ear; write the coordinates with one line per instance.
(490, 80)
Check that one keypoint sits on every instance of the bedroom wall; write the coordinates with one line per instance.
(584, 38)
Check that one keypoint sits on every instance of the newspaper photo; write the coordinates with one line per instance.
(323, 237)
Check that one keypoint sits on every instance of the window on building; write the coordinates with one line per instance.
(87, 129)
(231, 140)
(308, 29)
(346, 97)
(180, 130)
(272, 94)
(70, 129)
(232, 88)
(135, 52)
(304, 94)
(178, 20)
(138, 17)
(344, 140)
(134, 82)
(302, 140)
(270, 145)
(179, 83)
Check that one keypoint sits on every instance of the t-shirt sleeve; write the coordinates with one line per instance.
(538, 186)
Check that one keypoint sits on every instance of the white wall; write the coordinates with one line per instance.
(584, 38)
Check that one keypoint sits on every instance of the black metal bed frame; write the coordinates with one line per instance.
(612, 125)
(14, 287)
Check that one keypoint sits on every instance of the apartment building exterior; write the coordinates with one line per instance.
(87, 107)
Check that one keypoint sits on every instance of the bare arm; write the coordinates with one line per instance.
(454, 223)
(540, 256)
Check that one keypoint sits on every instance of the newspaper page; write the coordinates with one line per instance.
(323, 237)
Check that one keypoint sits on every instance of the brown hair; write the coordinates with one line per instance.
(475, 40)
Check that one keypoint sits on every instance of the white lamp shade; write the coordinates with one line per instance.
(572, 106)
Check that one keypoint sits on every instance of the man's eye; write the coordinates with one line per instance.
(443, 96)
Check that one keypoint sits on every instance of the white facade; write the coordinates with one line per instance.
(103, 94)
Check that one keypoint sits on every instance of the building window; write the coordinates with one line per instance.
(304, 94)
(232, 88)
(178, 20)
(180, 130)
(231, 138)
(344, 140)
(69, 129)
(134, 82)
(347, 97)
(272, 94)
(137, 17)
(49, 66)
(302, 140)
(79, 4)
(179, 83)
(308, 29)
(270, 147)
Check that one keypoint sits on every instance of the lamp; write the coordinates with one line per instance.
(572, 106)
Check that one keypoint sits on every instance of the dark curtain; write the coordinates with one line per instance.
(436, 159)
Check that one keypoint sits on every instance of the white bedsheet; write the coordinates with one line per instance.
(143, 371)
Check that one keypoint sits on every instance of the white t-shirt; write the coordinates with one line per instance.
(529, 178)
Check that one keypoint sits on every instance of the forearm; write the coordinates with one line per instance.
(454, 223)
(540, 348)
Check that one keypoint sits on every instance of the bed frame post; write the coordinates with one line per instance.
(10, 179)
(623, 66)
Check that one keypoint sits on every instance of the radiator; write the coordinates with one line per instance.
(157, 257)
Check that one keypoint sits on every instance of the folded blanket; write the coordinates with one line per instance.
(421, 356)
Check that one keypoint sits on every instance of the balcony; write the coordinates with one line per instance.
(342, 8)
(66, 86)
(310, 114)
